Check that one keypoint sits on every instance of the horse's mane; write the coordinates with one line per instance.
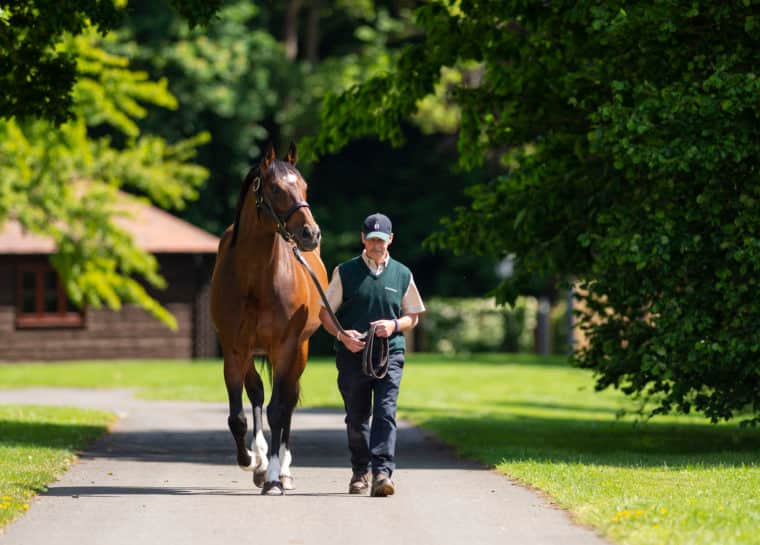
(244, 188)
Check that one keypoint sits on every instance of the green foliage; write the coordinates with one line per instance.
(62, 182)
(461, 326)
(236, 79)
(628, 134)
(197, 13)
(37, 77)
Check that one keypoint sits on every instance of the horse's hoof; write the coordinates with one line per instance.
(259, 477)
(287, 482)
(272, 488)
(245, 461)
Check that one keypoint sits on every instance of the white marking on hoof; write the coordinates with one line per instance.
(273, 473)
(260, 449)
(286, 458)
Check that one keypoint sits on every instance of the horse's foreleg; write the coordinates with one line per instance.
(275, 414)
(279, 413)
(255, 389)
(285, 456)
(233, 379)
(285, 390)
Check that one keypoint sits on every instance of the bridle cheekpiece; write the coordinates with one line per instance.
(280, 222)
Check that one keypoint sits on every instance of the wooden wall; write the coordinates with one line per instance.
(129, 333)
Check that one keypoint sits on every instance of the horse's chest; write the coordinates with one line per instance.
(263, 320)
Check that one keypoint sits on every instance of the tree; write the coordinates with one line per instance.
(254, 75)
(37, 76)
(260, 73)
(628, 138)
(62, 182)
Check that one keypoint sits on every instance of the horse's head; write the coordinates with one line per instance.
(282, 194)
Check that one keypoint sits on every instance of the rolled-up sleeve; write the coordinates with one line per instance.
(334, 291)
(412, 303)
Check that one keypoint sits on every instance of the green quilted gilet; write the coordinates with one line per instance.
(367, 297)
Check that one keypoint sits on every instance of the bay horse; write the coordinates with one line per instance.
(263, 303)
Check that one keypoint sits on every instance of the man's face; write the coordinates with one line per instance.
(376, 248)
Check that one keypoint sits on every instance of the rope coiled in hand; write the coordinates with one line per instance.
(375, 369)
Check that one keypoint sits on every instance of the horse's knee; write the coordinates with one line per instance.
(238, 424)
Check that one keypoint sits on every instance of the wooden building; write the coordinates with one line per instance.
(38, 323)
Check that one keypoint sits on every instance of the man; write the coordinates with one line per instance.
(369, 289)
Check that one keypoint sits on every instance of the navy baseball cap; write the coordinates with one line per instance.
(377, 226)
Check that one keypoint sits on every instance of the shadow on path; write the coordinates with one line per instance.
(120, 491)
(500, 437)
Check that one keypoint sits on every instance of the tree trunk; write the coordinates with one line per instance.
(312, 32)
(291, 29)
(543, 327)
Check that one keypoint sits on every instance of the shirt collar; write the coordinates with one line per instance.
(375, 269)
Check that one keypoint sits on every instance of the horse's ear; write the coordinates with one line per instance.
(267, 159)
(292, 155)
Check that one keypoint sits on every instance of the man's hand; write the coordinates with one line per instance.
(384, 328)
(351, 342)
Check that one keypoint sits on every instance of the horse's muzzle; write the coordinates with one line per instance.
(308, 238)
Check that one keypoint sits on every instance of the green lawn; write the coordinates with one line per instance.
(673, 480)
(37, 444)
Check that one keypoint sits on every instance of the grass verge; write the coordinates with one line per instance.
(673, 480)
(37, 444)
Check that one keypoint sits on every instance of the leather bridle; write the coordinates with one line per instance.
(280, 222)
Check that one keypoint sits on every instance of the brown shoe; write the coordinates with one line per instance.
(382, 486)
(359, 483)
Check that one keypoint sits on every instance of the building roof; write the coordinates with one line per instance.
(154, 231)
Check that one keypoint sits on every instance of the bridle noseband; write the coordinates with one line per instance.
(279, 222)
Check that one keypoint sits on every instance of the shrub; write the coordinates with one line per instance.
(455, 326)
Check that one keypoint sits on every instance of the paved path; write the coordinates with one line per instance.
(167, 475)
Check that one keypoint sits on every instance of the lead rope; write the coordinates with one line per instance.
(370, 368)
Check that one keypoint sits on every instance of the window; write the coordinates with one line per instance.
(41, 300)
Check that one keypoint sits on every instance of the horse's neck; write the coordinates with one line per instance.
(259, 250)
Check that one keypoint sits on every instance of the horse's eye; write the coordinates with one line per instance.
(275, 190)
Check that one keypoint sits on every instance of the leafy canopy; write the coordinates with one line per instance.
(627, 134)
(61, 182)
(37, 77)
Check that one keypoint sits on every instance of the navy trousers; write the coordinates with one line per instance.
(363, 397)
